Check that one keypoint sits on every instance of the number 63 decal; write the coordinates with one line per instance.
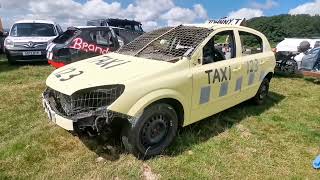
(69, 73)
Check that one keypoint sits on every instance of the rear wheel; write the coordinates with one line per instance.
(262, 93)
(152, 132)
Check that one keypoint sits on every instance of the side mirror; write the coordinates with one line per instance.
(6, 33)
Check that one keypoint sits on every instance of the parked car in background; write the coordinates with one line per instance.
(28, 40)
(127, 30)
(83, 42)
(131, 25)
(3, 36)
(288, 49)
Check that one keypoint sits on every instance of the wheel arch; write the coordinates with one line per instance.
(177, 106)
(167, 96)
(269, 76)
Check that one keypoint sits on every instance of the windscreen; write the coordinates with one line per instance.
(66, 36)
(32, 29)
(309, 61)
(314, 52)
(166, 44)
(95, 23)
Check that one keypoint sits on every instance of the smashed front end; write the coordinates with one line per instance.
(86, 110)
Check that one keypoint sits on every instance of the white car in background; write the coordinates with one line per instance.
(28, 40)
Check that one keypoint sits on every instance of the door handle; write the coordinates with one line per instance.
(236, 69)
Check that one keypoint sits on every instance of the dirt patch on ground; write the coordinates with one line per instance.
(147, 173)
(244, 132)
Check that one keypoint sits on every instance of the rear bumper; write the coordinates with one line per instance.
(17, 55)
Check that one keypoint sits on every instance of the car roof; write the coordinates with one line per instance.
(88, 27)
(291, 44)
(35, 21)
(118, 21)
(219, 26)
(94, 27)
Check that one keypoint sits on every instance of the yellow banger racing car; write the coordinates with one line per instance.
(163, 80)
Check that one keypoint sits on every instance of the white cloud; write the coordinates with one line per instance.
(247, 13)
(178, 15)
(146, 10)
(269, 4)
(200, 11)
(312, 8)
(71, 12)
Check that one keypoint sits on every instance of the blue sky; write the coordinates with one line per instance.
(217, 8)
(152, 13)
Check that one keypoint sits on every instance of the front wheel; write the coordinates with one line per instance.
(11, 60)
(262, 93)
(153, 132)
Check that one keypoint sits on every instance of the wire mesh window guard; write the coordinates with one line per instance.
(166, 44)
(83, 101)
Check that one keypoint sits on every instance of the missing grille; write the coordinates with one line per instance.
(85, 101)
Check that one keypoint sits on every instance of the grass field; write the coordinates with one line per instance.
(275, 140)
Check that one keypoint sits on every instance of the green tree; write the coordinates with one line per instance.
(276, 28)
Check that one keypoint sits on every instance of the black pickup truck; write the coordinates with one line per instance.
(78, 43)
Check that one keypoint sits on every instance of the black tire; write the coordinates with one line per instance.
(11, 60)
(290, 67)
(262, 93)
(153, 132)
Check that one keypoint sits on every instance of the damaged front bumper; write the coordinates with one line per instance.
(96, 120)
(55, 118)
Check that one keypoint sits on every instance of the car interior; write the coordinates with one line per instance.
(220, 47)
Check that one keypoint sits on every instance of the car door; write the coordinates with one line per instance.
(217, 76)
(107, 40)
(255, 62)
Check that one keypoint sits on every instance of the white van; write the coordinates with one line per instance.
(28, 40)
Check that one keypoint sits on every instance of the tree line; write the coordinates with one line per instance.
(276, 28)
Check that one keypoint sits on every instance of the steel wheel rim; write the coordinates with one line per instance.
(155, 130)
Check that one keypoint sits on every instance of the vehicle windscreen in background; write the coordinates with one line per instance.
(32, 29)
(66, 36)
(310, 60)
(314, 52)
(166, 44)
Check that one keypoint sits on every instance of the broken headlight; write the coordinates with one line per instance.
(86, 100)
